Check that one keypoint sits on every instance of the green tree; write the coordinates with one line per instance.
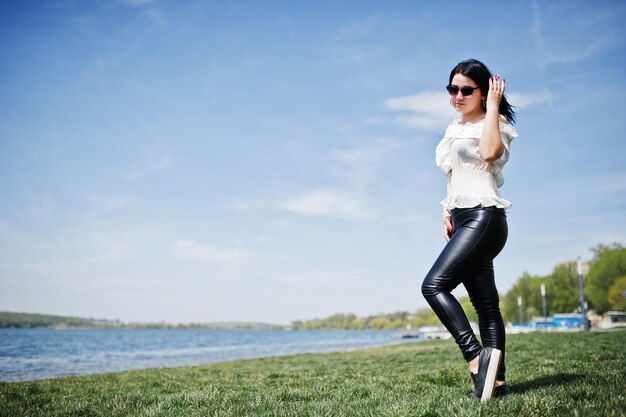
(424, 317)
(380, 323)
(600, 248)
(608, 265)
(617, 294)
(562, 293)
(468, 308)
(527, 287)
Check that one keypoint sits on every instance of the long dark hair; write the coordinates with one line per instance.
(479, 72)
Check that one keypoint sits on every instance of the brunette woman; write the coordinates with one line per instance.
(472, 153)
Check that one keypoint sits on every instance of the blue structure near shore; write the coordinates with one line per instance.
(554, 322)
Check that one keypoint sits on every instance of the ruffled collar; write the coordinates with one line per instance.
(457, 122)
(473, 130)
(467, 130)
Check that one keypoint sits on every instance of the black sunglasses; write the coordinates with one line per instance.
(466, 91)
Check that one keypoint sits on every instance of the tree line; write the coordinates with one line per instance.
(31, 320)
(604, 287)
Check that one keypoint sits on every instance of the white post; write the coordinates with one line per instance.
(583, 304)
(543, 302)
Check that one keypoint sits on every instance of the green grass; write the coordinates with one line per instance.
(551, 374)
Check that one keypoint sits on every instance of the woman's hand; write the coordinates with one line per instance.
(495, 93)
(490, 146)
(448, 229)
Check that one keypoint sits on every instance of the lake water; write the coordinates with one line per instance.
(28, 354)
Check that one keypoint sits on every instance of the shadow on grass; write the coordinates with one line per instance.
(545, 381)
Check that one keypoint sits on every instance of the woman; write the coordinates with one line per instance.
(472, 153)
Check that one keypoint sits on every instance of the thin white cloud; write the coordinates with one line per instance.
(586, 75)
(605, 186)
(188, 249)
(360, 165)
(580, 38)
(137, 3)
(431, 110)
(106, 247)
(580, 53)
(149, 9)
(324, 202)
(536, 33)
(153, 165)
(329, 202)
(415, 217)
(155, 15)
(330, 280)
(357, 156)
(358, 168)
(246, 206)
(43, 204)
(111, 203)
(356, 42)
(525, 100)
(113, 246)
(251, 240)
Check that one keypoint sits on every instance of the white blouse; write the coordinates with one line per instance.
(472, 181)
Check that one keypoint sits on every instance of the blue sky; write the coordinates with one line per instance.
(274, 161)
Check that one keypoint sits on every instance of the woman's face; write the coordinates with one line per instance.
(467, 105)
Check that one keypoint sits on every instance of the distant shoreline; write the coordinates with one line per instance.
(12, 320)
(401, 320)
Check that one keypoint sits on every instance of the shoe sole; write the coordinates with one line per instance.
(492, 371)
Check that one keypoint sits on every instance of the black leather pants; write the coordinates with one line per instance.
(479, 235)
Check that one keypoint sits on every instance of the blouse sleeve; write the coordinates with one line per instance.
(443, 158)
(507, 133)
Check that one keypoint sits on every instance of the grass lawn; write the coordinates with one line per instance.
(551, 374)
